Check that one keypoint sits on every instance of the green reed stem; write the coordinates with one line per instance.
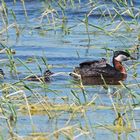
(25, 12)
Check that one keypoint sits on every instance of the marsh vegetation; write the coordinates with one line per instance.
(36, 35)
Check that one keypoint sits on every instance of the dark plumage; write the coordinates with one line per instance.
(1, 72)
(116, 53)
(96, 70)
(101, 67)
(45, 77)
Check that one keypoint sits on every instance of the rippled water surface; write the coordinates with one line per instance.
(63, 51)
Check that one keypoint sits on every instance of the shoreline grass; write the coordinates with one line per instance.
(82, 106)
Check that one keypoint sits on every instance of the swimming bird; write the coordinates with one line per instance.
(45, 77)
(101, 67)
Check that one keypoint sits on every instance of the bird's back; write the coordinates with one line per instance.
(96, 68)
(94, 64)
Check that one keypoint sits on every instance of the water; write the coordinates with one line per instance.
(63, 53)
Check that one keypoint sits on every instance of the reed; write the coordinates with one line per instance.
(91, 108)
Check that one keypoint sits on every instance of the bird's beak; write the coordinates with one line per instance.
(132, 58)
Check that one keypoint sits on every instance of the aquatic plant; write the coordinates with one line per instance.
(75, 110)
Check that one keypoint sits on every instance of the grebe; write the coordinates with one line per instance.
(45, 77)
(101, 67)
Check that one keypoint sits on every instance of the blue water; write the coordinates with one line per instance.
(65, 51)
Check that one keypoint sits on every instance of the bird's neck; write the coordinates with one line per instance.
(118, 66)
